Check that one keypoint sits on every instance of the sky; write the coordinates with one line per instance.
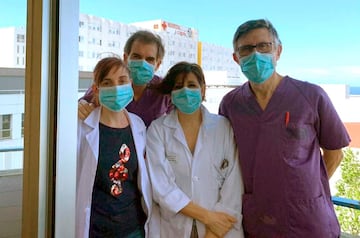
(321, 39)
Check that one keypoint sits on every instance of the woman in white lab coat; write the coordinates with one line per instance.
(192, 162)
(113, 197)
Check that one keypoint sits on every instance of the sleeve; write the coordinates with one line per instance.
(331, 131)
(224, 105)
(222, 108)
(230, 199)
(88, 96)
(165, 190)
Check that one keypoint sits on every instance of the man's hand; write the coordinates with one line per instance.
(84, 109)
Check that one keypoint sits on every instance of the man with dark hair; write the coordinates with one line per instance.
(143, 53)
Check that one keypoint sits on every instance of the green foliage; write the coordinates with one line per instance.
(349, 187)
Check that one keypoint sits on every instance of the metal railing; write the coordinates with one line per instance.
(346, 202)
(340, 201)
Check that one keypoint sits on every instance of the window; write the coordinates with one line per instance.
(5, 126)
(22, 124)
(20, 38)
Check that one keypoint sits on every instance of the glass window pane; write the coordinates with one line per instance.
(12, 85)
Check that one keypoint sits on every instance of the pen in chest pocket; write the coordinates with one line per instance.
(287, 118)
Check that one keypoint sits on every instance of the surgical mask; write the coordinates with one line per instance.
(257, 67)
(186, 100)
(116, 98)
(141, 71)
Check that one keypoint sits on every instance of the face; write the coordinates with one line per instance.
(190, 81)
(116, 77)
(257, 37)
(142, 51)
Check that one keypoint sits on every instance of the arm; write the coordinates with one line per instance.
(84, 109)
(218, 223)
(165, 190)
(85, 105)
(332, 159)
(232, 189)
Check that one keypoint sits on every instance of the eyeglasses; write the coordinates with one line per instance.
(262, 47)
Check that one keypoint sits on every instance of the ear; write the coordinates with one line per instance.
(203, 91)
(278, 52)
(157, 65)
(95, 89)
(235, 58)
(125, 56)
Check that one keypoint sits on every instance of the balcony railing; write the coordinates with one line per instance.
(339, 201)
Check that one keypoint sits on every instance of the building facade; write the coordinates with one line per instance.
(99, 37)
(12, 47)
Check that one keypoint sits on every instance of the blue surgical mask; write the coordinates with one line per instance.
(187, 100)
(141, 71)
(257, 67)
(116, 98)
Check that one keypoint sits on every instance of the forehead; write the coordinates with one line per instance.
(144, 49)
(255, 36)
(186, 77)
(117, 72)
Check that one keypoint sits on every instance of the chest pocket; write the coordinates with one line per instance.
(298, 140)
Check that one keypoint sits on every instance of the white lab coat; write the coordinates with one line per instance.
(179, 177)
(87, 158)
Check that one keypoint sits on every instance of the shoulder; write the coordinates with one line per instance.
(304, 85)
(164, 123)
(309, 90)
(159, 122)
(227, 102)
(156, 79)
(233, 92)
(215, 119)
(136, 120)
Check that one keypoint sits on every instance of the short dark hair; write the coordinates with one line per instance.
(248, 26)
(146, 37)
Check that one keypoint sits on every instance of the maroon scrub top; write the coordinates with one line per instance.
(287, 191)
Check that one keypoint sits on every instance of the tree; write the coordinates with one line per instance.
(349, 187)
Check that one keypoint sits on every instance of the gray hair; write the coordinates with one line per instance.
(146, 37)
(248, 26)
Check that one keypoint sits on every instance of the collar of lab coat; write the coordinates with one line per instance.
(172, 119)
(136, 125)
(92, 121)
